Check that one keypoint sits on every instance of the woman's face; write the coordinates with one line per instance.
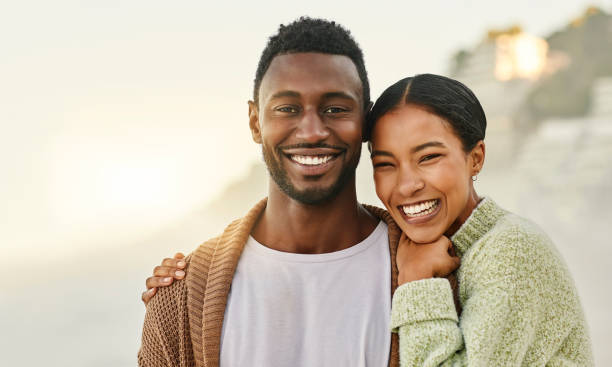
(422, 174)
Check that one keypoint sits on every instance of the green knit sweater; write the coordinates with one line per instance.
(519, 303)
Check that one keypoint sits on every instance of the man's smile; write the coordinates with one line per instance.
(312, 161)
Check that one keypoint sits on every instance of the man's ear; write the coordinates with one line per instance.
(366, 114)
(477, 157)
(254, 122)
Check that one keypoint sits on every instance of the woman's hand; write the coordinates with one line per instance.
(424, 261)
(164, 275)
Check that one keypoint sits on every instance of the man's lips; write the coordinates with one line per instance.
(312, 151)
(312, 161)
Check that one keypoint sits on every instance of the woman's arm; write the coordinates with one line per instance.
(509, 317)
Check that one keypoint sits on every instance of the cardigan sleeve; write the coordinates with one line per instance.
(503, 316)
(165, 333)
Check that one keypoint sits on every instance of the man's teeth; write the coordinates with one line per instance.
(311, 160)
(421, 209)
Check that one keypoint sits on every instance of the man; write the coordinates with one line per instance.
(306, 277)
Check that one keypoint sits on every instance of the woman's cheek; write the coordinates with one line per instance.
(384, 183)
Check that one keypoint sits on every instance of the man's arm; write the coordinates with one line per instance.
(166, 339)
(164, 275)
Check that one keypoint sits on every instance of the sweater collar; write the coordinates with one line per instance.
(481, 220)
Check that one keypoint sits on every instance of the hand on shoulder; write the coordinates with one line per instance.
(164, 275)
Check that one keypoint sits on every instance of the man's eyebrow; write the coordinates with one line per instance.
(341, 95)
(380, 152)
(285, 93)
(427, 145)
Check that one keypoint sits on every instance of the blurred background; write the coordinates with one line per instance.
(124, 139)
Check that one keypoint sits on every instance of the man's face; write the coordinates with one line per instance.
(309, 121)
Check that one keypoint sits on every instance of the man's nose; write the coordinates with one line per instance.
(312, 128)
(409, 181)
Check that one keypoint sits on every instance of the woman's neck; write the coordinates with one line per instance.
(472, 203)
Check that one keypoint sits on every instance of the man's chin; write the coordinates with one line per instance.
(313, 195)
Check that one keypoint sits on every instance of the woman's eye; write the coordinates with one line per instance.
(382, 165)
(430, 157)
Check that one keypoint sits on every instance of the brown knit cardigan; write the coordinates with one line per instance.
(183, 322)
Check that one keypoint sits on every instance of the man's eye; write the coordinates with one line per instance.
(334, 110)
(287, 109)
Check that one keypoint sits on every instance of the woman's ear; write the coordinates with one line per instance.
(254, 122)
(477, 157)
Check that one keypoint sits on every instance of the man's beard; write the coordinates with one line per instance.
(312, 196)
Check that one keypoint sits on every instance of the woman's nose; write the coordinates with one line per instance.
(409, 182)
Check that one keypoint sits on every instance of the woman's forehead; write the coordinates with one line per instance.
(409, 123)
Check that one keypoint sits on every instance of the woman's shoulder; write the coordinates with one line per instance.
(513, 229)
(492, 228)
(518, 246)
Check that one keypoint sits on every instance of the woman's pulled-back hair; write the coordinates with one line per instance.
(442, 96)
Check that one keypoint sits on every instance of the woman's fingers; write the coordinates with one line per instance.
(148, 294)
(164, 275)
(154, 282)
(174, 262)
(447, 266)
(168, 271)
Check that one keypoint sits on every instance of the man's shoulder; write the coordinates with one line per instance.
(383, 215)
(235, 233)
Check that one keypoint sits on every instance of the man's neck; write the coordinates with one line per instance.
(290, 226)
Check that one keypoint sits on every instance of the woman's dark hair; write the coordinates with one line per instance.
(442, 96)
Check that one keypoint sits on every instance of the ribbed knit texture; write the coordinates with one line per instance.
(183, 322)
(519, 303)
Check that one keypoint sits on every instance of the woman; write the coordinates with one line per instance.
(518, 302)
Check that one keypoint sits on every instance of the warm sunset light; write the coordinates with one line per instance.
(520, 55)
(125, 137)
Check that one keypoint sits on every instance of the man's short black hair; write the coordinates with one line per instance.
(313, 35)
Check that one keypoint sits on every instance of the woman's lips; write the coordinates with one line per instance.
(420, 212)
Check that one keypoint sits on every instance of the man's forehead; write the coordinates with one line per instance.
(306, 73)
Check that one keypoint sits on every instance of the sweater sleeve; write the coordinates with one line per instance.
(165, 333)
(503, 312)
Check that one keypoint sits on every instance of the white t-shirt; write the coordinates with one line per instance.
(332, 309)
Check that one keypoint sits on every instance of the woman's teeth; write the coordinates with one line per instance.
(420, 209)
(311, 160)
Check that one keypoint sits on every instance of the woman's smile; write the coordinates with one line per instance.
(420, 212)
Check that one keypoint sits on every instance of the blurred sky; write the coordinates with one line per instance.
(119, 117)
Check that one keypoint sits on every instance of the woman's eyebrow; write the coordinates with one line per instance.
(413, 150)
(427, 145)
(380, 152)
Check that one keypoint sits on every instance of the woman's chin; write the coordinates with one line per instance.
(422, 238)
(420, 235)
